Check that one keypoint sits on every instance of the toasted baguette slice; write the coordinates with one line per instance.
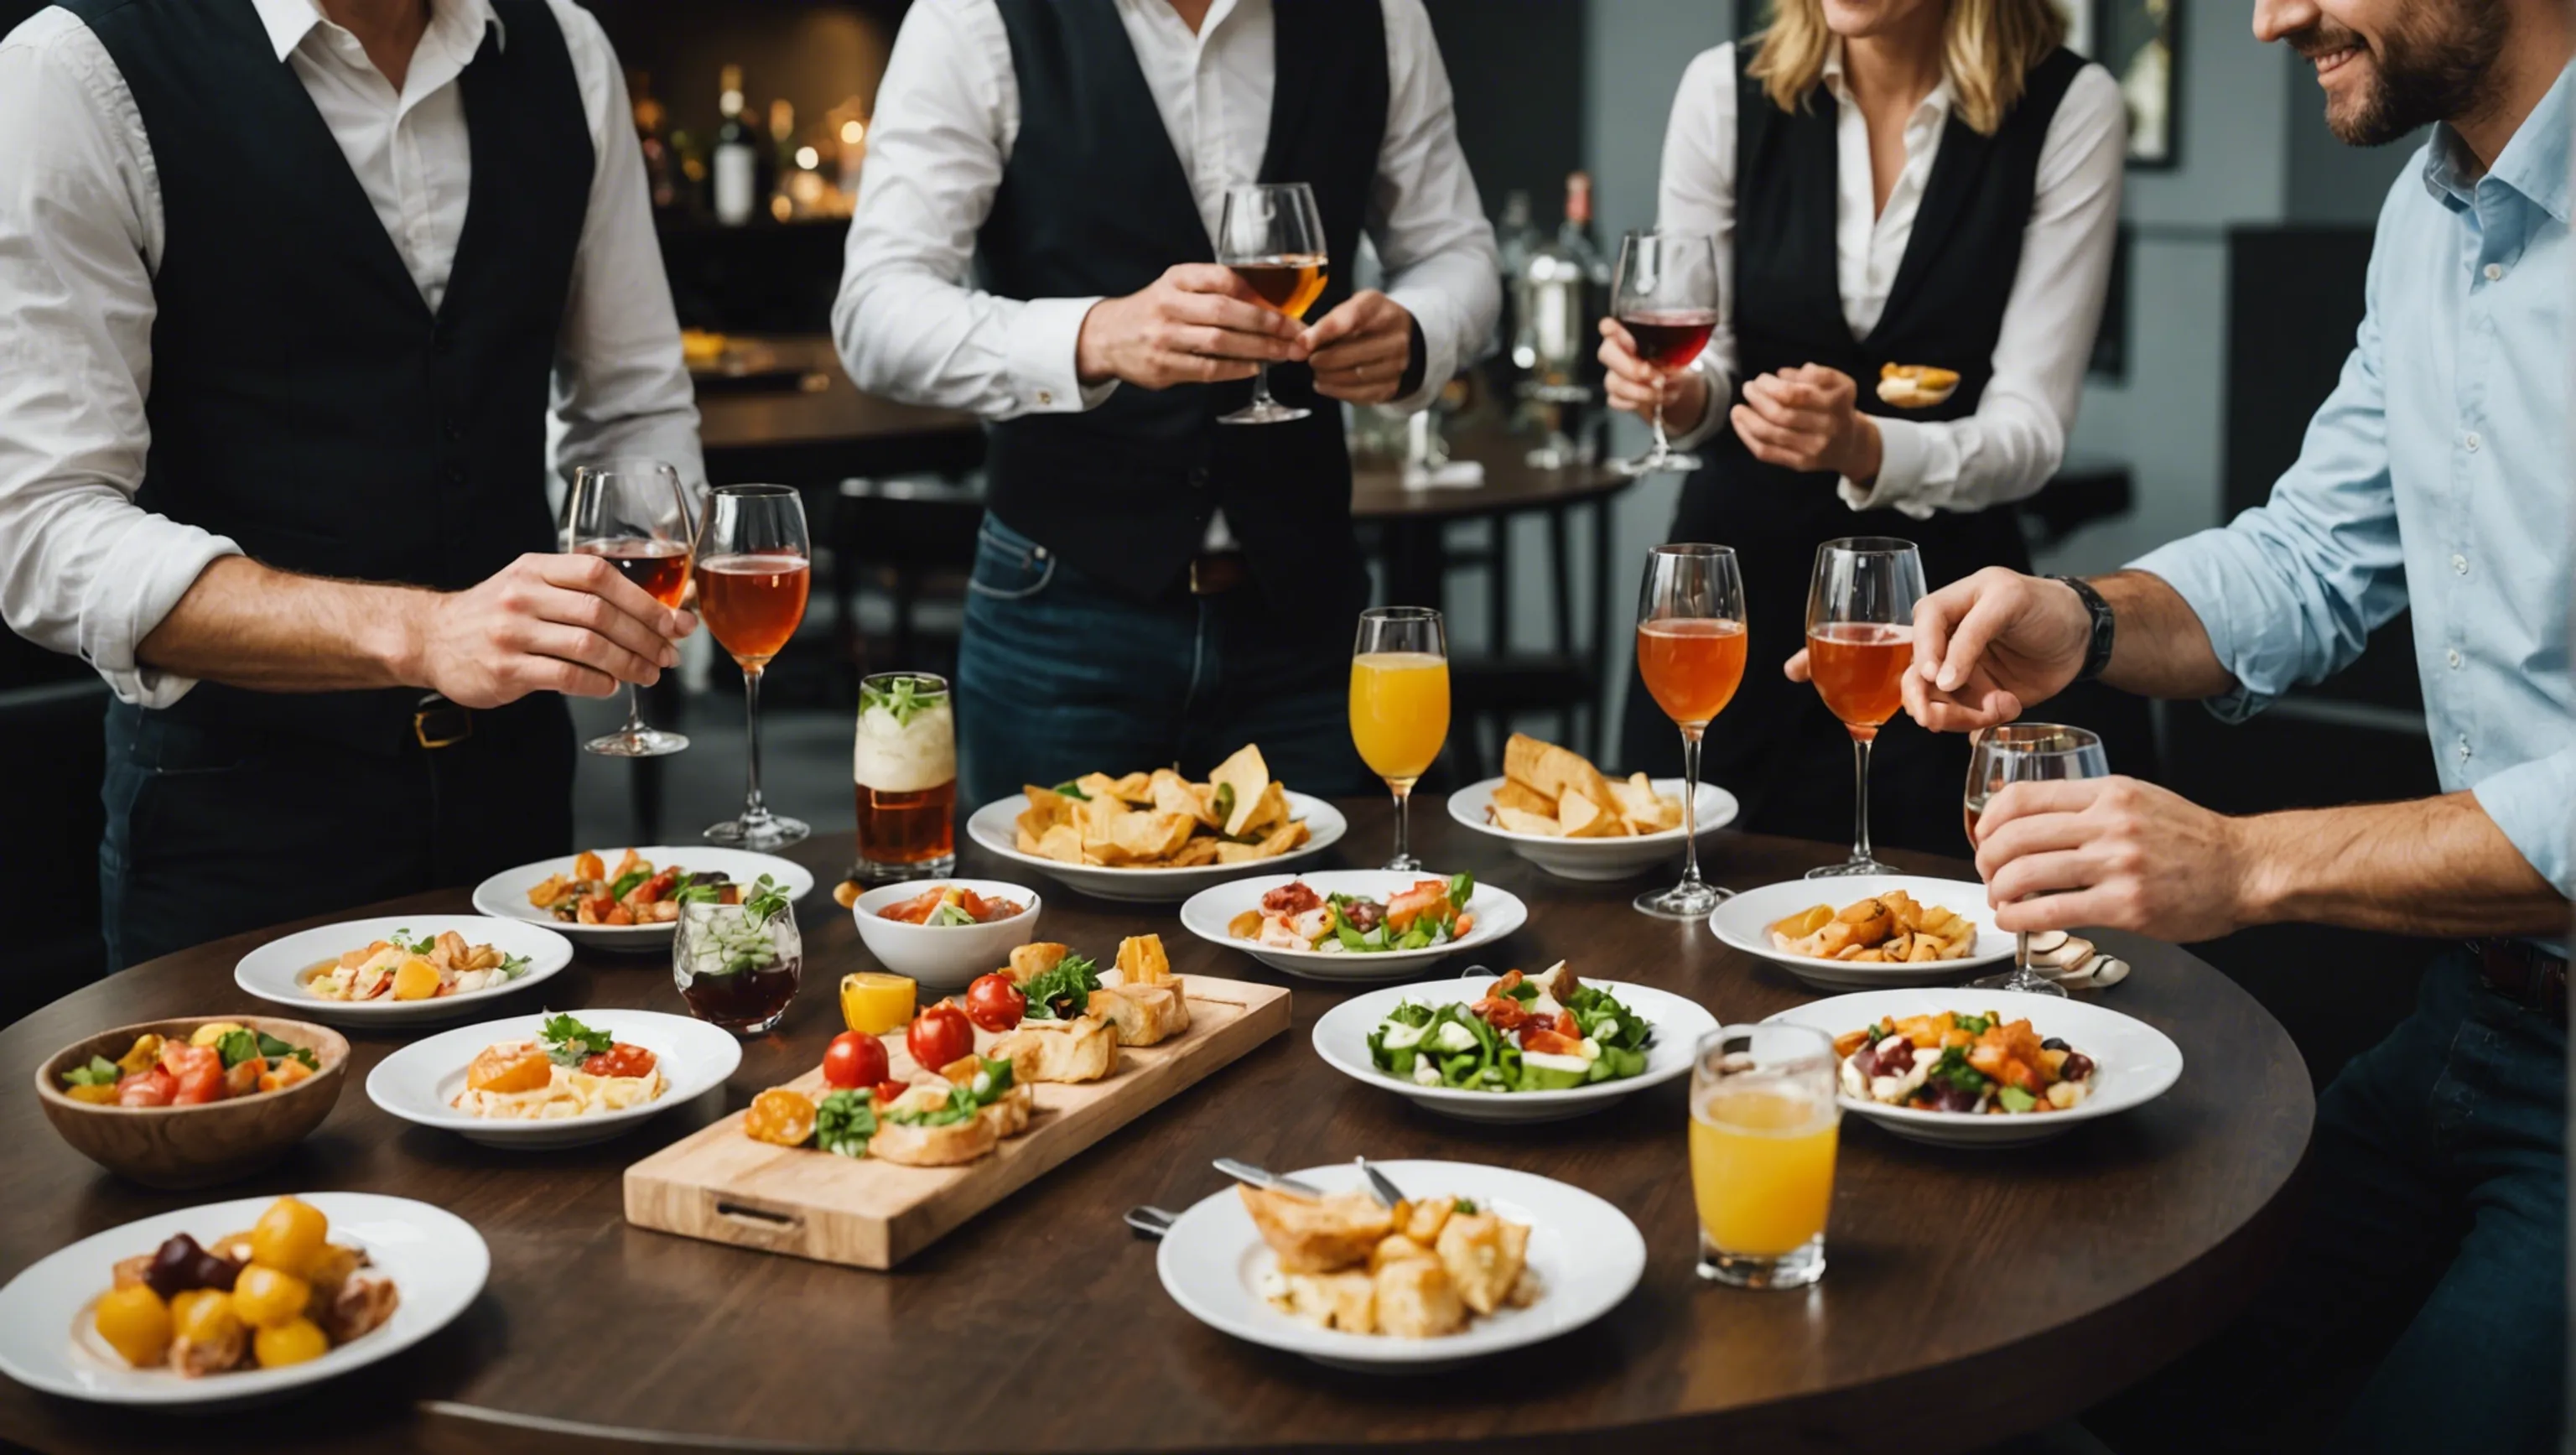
(1083, 1049)
(948, 1146)
(1144, 1015)
(1008, 1116)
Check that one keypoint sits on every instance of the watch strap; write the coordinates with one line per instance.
(2097, 651)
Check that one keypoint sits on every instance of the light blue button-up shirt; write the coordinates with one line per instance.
(2438, 475)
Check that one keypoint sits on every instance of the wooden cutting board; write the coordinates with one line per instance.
(721, 1185)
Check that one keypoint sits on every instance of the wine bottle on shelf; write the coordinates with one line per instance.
(659, 181)
(735, 164)
(779, 159)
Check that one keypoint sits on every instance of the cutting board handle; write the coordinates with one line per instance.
(747, 1221)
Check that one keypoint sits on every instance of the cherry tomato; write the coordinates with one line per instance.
(152, 1088)
(854, 1060)
(938, 1036)
(994, 1003)
(888, 1090)
(620, 1059)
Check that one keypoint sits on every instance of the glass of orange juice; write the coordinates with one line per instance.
(1763, 1126)
(1690, 651)
(1400, 702)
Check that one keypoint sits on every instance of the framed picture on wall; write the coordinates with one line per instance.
(2140, 43)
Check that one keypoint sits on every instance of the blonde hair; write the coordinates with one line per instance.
(1988, 48)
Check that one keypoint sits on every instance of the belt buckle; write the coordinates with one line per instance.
(441, 724)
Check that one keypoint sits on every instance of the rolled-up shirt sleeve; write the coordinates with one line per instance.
(83, 569)
(1424, 214)
(2534, 804)
(2290, 591)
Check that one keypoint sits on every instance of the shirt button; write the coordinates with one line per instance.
(2464, 747)
(1046, 396)
(2494, 271)
(2453, 657)
(2472, 442)
(2460, 564)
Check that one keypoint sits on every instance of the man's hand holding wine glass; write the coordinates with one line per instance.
(544, 623)
(1199, 323)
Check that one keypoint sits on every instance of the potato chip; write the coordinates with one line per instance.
(1201, 849)
(1248, 775)
(1519, 797)
(1143, 835)
(1062, 843)
(1520, 821)
(1098, 787)
(1229, 852)
(1268, 811)
(1169, 792)
(1584, 819)
(1046, 809)
(1135, 788)
(1283, 838)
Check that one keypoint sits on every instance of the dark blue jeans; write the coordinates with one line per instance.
(1060, 675)
(2423, 1305)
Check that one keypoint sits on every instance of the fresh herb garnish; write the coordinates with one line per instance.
(843, 1123)
(1063, 992)
(1953, 1070)
(99, 1072)
(905, 697)
(1464, 1207)
(421, 946)
(567, 1041)
(1462, 887)
(238, 1046)
(1224, 805)
(277, 1050)
(1071, 789)
(767, 898)
(697, 892)
(626, 882)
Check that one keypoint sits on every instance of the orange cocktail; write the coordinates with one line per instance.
(1399, 712)
(1859, 670)
(1691, 666)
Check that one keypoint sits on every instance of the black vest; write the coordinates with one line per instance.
(1094, 201)
(304, 400)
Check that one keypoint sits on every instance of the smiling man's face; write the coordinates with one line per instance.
(2390, 66)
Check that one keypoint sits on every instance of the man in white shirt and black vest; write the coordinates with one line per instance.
(1152, 586)
(286, 288)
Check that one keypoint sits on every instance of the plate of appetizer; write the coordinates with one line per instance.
(628, 899)
(1867, 930)
(947, 932)
(1963, 1067)
(1513, 1048)
(1555, 809)
(238, 1301)
(1154, 838)
(554, 1079)
(406, 967)
(1353, 924)
(1479, 1260)
(193, 1101)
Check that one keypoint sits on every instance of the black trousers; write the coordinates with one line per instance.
(212, 831)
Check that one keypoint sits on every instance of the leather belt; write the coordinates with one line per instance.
(439, 723)
(1214, 573)
(2523, 972)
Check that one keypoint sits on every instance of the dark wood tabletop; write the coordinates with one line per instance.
(798, 435)
(1972, 1294)
(1511, 483)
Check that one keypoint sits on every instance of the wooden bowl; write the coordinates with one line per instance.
(194, 1146)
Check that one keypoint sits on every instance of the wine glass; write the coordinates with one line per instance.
(753, 575)
(635, 515)
(1272, 236)
(1400, 703)
(1666, 297)
(2026, 752)
(1690, 651)
(1860, 640)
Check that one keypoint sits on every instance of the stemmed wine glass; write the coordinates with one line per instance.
(1400, 703)
(635, 515)
(2026, 752)
(1272, 236)
(1860, 639)
(754, 571)
(1666, 298)
(1690, 651)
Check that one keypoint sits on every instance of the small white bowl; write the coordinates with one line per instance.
(943, 958)
(1595, 860)
(419, 1083)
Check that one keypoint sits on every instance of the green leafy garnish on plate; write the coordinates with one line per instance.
(99, 1072)
(1063, 992)
(843, 1123)
(567, 1042)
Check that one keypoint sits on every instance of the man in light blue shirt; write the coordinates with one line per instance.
(2437, 476)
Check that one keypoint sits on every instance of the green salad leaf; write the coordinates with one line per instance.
(843, 1123)
(277, 1050)
(950, 914)
(2015, 1099)
(99, 1072)
(1063, 992)
(1071, 789)
(236, 1047)
(567, 1041)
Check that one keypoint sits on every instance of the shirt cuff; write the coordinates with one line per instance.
(1041, 350)
(1436, 340)
(1905, 471)
(1721, 397)
(2196, 568)
(2531, 803)
(146, 573)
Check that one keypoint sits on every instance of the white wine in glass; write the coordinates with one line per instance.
(1272, 236)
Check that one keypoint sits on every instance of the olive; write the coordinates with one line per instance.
(2077, 1067)
(2054, 1043)
(213, 1270)
(174, 1266)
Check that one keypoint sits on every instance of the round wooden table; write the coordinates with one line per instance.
(1972, 1295)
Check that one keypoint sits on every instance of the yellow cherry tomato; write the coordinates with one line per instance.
(135, 1323)
(104, 1095)
(292, 1342)
(211, 1032)
(204, 1316)
(415, 979)
(288, 1236)
(267, 1299)
(873, 1002)
(142, 1056)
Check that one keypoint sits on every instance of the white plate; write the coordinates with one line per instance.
(1587, 1255)
(996, 827)
(1341, 1038)
(1595, 859)
(506, 894)
(2134, 1063)
(275, 971)
(1745, 923)
(1498, 912)
(435, 1258)
(419, 1083)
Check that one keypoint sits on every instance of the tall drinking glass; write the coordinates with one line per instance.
(754, 570)
(1400, 703)
(1860, 639)
(1272, 236)
(2026, 752)
(1666, 297)
(635, 514)
(1690, 651)
(904, 768)
(1763, 1128)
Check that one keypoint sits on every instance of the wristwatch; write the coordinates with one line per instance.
(2097, 653)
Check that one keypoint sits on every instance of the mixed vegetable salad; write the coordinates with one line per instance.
(1295, 917)
(217, 1062)
(1551, 1033)
(1976, 1065)
(633, 893)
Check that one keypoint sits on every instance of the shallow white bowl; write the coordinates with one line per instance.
(435, 1258)
(1341, 1038)
(1587, 1255)
(1745, 923)
(2134, 1063)
(275, 972)
(996, 827)
(945, 957)
(506, 894)
(1595, 859)
(419, 1083)
(1498, 912)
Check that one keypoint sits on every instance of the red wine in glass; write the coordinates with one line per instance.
(661, 568)
(1670, 338)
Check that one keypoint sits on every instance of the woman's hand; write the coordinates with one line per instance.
(1806, 418)
(1637, 386)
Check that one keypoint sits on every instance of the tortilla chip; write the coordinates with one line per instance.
(1098, 787)
(1200, 850)
(1062, 843)
(1046, 809)
(1584, 819)
(1141, 836)
(1283, 838)
(1232, 853)
(1642, 807)
(1027, 843)
(1269, 810)
(1555, 771)
(1517, 821)
(1249, 775)
(1135, 788)
(1513, 794)
(1169, 792)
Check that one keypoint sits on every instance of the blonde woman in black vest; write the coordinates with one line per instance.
(1915, 182)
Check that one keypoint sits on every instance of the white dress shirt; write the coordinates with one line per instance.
(82, 567)
(2012, 444)
(911, 325)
